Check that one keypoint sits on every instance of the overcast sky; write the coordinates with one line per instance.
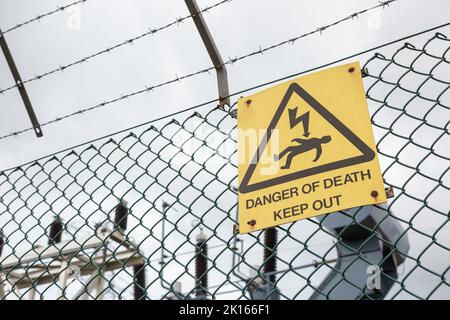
(239, 27)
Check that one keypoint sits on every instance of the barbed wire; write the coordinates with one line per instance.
(43, 15)
(203, 71)
(110, 49)
(319, 30)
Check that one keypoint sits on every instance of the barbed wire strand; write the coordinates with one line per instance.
(43, 15)
(193, 74)
(174, 114)
(110, 49)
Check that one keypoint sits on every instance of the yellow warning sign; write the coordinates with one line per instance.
(306, 148)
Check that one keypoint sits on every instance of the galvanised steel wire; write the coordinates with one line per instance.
(150, 88)
(177, 181)
(41, 16)
(129, 41)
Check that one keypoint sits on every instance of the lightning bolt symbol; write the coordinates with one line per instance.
(294, 120)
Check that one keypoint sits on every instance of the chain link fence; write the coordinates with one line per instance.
(150, 214)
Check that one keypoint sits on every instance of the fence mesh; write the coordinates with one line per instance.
(150, 214)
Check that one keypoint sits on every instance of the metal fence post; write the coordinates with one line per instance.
(208, 41)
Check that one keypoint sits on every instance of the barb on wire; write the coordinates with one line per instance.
(129, 41)
(260, 50)
(43, 15)
(319, 30)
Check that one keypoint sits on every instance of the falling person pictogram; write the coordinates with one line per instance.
(304, 145)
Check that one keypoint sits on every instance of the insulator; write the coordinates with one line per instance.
(201, 264)
(121, 216)
(56, 229)
(2, 242)
(270, 258)
(139, 282)
(165, 205)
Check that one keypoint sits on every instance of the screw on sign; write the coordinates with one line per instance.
(306, 148)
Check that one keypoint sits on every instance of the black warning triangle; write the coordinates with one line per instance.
(367, 153)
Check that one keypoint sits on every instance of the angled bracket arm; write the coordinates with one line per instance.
(208, 41)
(20, 85)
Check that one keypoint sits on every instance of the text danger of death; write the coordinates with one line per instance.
(326, 183)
